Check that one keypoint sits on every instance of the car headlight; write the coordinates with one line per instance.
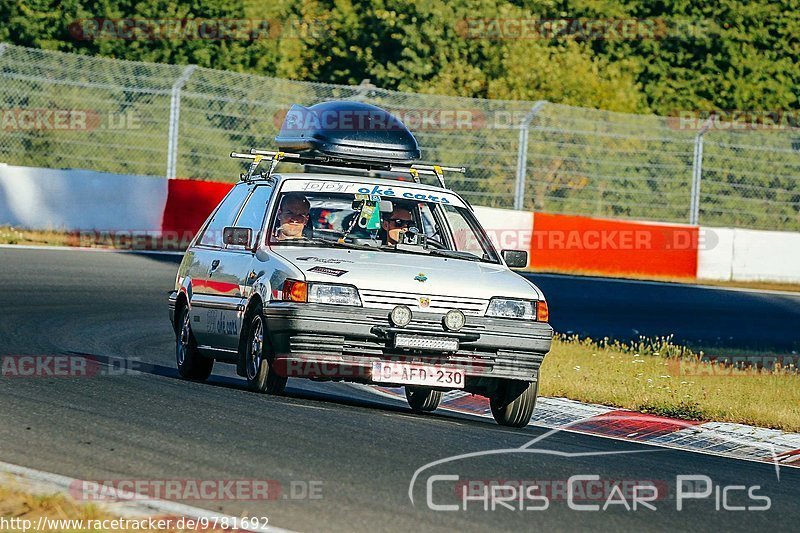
(320, 293)
(509, 308)
(324, 293)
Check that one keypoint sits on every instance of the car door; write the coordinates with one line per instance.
(232, 277)
(214, 290)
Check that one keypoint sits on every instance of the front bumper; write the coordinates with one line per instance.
(339, 342)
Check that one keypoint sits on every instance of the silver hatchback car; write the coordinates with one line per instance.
(345, 276)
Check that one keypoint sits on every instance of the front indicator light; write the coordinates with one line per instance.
(295, 291)
(542, 311)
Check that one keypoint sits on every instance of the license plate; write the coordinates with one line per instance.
(445, 344)
(413, 374)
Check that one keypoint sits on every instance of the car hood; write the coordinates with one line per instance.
(408, 273)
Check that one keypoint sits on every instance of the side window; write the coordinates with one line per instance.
(465, 236)
(252, 216)
(429, 226)
(225, 215)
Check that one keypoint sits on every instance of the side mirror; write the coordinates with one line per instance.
(515, 258)
(237, 236)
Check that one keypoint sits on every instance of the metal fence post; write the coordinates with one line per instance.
(697, 172)
(174, 121)
(3, 47)
(522, 153)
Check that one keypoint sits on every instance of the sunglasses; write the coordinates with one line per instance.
(290, 215)
(401, 222)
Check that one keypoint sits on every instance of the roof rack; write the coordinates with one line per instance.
(275, 157)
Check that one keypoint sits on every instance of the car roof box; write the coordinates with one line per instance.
(351, 132)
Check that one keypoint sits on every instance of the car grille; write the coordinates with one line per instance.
(509, 363)
(438, 304)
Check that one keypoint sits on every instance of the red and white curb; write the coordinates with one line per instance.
(128, 506)
(725, 439)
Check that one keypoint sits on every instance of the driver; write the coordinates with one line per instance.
(292, 216)
(395, 224)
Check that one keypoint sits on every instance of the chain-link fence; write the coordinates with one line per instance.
(74, 111)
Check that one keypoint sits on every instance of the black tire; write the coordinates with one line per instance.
(513, 403)
(191, 365)
(260, 375)
(423, 400)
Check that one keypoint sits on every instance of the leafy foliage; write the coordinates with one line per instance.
(729, 54)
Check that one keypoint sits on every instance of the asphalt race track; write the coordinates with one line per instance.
(707, 317)
(359, 451)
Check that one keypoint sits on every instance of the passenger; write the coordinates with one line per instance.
(395, 224)
(292, 216)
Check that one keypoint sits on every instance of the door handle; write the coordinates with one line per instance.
(214, 265)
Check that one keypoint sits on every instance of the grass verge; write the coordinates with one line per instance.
(9, 235)
(658, 377)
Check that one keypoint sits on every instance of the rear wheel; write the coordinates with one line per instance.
(422, 399)
(512, 405)
(191, 365)
(261, 377)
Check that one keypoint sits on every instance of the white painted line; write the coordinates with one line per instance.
(44, 482)
(770, 443)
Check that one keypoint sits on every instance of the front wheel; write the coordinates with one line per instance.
(191, 365)
(423, 400)
(512, 405)
(261, 377)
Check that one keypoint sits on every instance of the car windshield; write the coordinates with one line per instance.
(400, 225)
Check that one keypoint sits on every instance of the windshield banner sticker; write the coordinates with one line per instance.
(385, 192)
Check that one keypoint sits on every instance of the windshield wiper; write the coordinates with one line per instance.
(326, 243)
(455, 254)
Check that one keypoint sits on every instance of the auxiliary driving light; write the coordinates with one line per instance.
(400, 316)
(454, 320)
